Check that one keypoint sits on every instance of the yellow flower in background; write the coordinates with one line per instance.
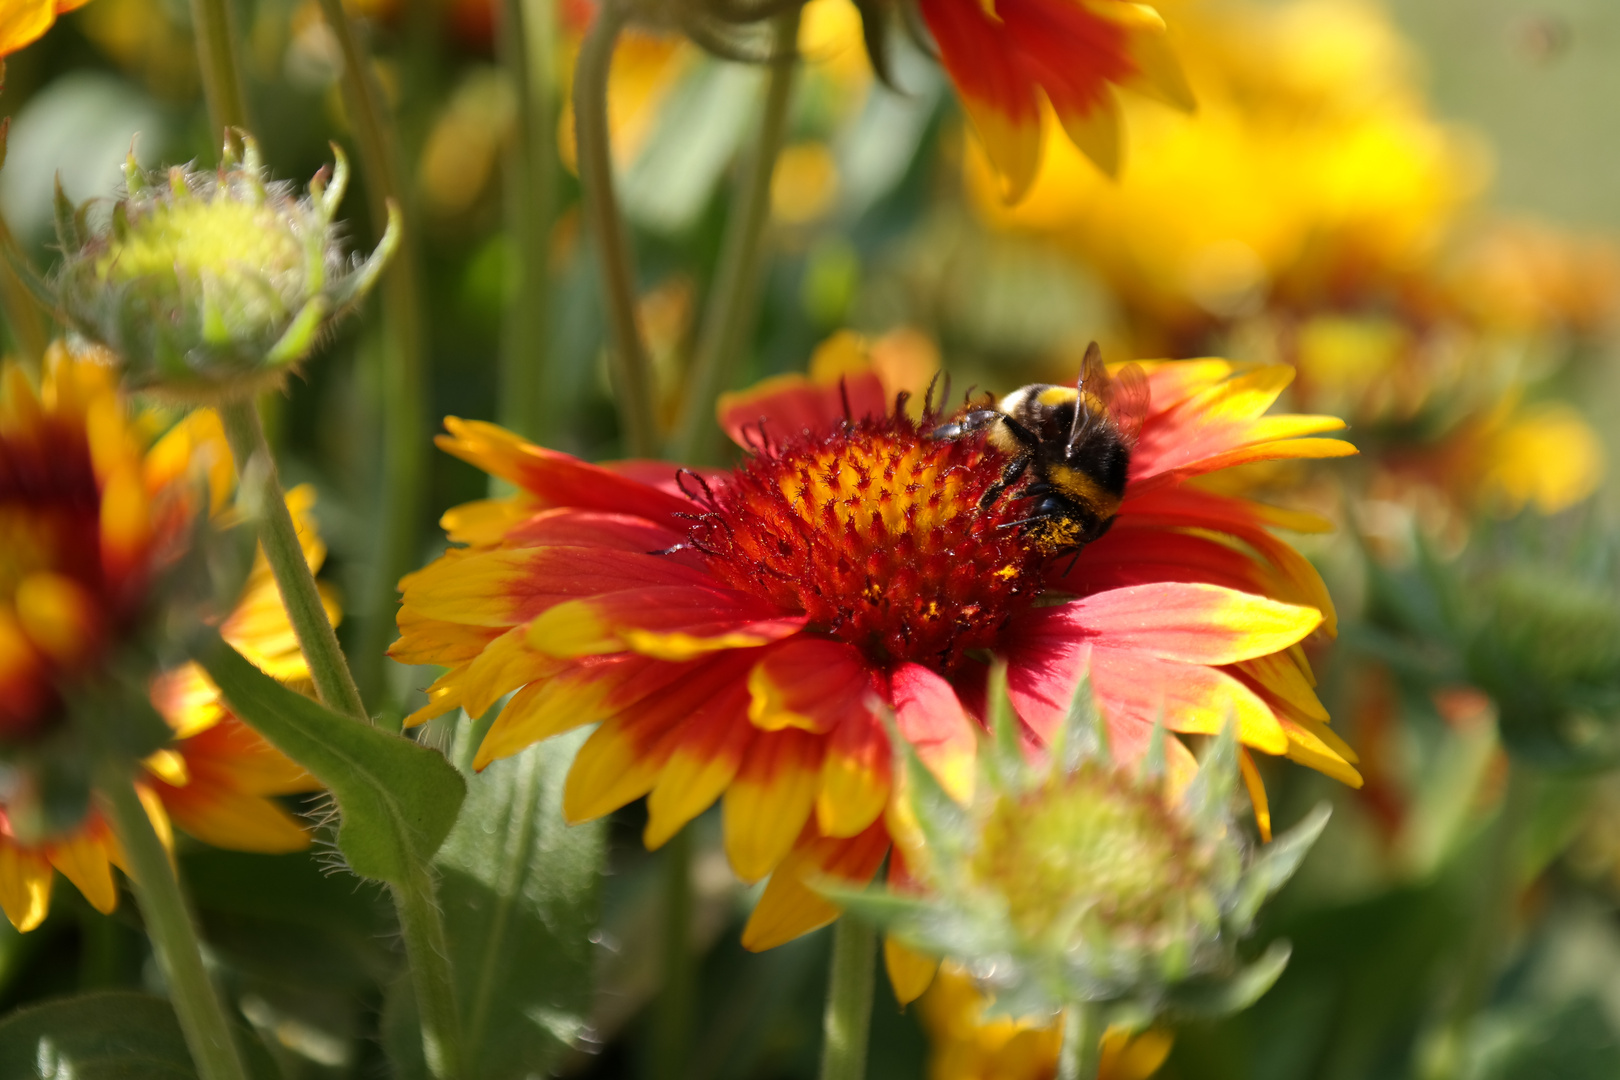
(93, 510)
(23, 22)
(967, 1045)
(1311, 154)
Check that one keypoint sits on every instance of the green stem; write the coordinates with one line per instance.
(632, 370)
(848, 1019)
(672, 1034)
(1497, 890)
(404, 407)
(173, 931)
(728, 318)
(255, 465)
(1081, 1051)
(525, 41)
(428, 949)
(221, 74)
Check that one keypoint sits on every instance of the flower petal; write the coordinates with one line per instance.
(930, 716)
(25, 885)
(997, 93)
(707, 753)
(770, 800)
(557, 479)
(1193, 623)
(855, 777)
(669, 622)
(809, 683)
(784, 405)
(790, 906)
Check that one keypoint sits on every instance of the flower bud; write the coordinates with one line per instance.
(1075, 879)
(210, 285)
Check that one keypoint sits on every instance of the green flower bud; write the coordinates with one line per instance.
(211, 285)
(1075, 880)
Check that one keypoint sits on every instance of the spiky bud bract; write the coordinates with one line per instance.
(1070, 878)
(209, 285)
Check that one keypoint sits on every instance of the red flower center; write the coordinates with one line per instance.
(875, 533)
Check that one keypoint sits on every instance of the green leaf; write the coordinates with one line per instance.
(1006, 753)
(517, 884)
(1084, 734)
(1212, 997)
(397, 800)
(107, 1036)
(1277, 862)
(1208, 798)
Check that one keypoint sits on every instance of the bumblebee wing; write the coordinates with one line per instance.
(1128, 405)
(1094, 391)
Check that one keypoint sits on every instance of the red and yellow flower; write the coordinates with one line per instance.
(93, 513)
(738, 633)
(1005, 56)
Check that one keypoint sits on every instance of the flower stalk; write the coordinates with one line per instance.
(1081, 1052)
(404, 409)
(729, 316)
(221, 74)
(848, 1019)
(526, 45)
(256, 466)
(632, 370)
(428, 949)
(173, 930)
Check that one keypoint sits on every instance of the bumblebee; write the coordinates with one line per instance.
(1075, 443)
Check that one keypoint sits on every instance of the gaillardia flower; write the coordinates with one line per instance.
(1005, 55)
(99, 521)
(732, 631)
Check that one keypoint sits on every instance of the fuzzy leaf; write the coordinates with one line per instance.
(107, 1036)
(517, 883)
(1210, 794)
(941, 818)
(398, 800)
(1005, 759)
(1211, 998)
(1276, 863)
(1084, 734)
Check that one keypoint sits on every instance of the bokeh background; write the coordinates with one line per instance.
(1414, 204)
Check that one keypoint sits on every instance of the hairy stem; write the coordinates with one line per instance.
(172, 928)
(279, 538)
(728, 318)
(428, 950)
(404, 407)
(848, 1019)
(632, 370)
(1081, 1052)
(213, 22)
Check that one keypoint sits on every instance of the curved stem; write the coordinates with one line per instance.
(404, 409)
(254, 464)
(632, 371)
(221, 74)
(1081, 1052)
(728, 319)
(428, 949)
(848, 1020)
(174, 934)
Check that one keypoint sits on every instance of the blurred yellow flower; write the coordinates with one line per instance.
(968, 1046)
(23, 22)
(1547, 457)
(1311, 156)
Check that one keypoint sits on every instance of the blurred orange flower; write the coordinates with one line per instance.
(23, 22)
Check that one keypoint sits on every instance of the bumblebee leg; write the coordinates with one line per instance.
(1009, 476)
(977, 420)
